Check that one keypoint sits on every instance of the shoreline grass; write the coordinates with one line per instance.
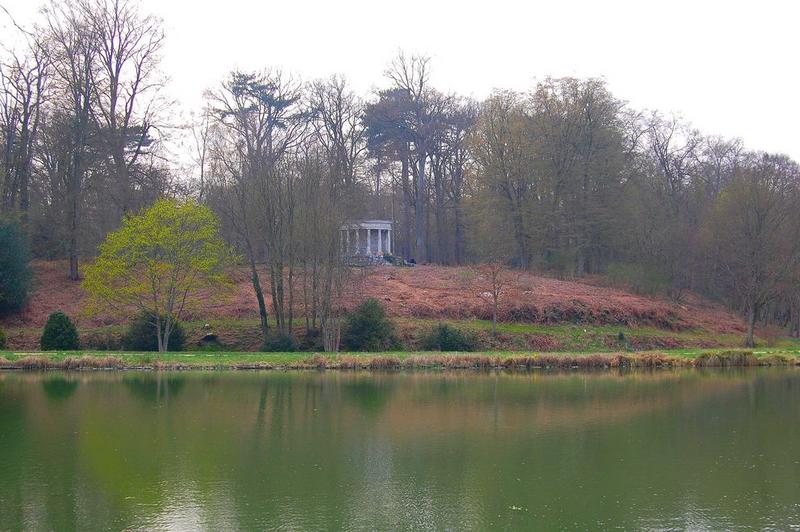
(244, 335)
(686, 358)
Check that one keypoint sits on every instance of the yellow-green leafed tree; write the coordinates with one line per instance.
(157, 261)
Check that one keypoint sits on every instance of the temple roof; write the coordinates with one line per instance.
(367, 224)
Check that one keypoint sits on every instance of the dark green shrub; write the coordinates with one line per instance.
(369, 329)
(102, 341)
(311, 341)
(15, 272)
(279, 343)
(2, 338)
(141, 335)
(443, 337)
(210, 343)
(59, 334)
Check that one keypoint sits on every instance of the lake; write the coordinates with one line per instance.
(689, 449)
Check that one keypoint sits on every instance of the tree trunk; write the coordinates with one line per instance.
(519, 236)
(23, 170)
(304, 266)
(276, 287)
(290, 297)
(494, 317)
(458, 237)
(167, 333)
(580, 266)
(441, 232)
(159, 335)
(123, 182)
(419, 210)
(73, 232)
(406, 208)
(262, 307)
(751, 324)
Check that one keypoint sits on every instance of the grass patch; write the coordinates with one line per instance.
(245, 335)
(396, 360)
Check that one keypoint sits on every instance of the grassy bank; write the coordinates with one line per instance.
(245, 335)
(399, 360)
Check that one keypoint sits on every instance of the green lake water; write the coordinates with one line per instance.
(702, 450)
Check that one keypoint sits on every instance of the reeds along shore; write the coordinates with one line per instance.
(432, 361)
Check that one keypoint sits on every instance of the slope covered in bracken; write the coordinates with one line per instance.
(429, 292)
(457, 293)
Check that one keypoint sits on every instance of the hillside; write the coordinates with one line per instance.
(535, 309)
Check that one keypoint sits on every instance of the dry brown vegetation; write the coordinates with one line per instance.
(523, 362)
(434, 292)
(41, 362)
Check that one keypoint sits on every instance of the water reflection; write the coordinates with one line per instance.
(671, 450)
(371, 393)
(154, 387)
(59, 388)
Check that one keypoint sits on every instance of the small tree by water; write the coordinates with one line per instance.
(445, 337)
(59, 334)
(158, 261)
(141, 334)
(492, 281)
(369, 329)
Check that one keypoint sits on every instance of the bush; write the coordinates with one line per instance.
(15, 272)
(311, 341)
(59, 334)
(142, 335)
(2, 339)
(368, 329)
(446, 338)
(279, 343)
(102, 341)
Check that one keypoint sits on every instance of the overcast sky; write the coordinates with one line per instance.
(731, 68)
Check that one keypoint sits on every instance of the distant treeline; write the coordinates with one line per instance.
(564, 178)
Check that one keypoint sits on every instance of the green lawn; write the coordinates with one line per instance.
(592, 338)
(240, 337)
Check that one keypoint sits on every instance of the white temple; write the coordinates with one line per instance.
(367, 238)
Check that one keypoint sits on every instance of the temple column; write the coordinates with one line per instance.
(358, 241)
(389, 241)
(380, 241)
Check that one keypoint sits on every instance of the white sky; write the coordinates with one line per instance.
(729, 67)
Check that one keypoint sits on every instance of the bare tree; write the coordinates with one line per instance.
(72, 45)
(22, 92)
(125, 86)
(411, 75)
(502, 146)
(337, 123)
(389, 141)
(202, 142)
(752, 232)
(450, 159)
(264, 120)
(492, 280)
